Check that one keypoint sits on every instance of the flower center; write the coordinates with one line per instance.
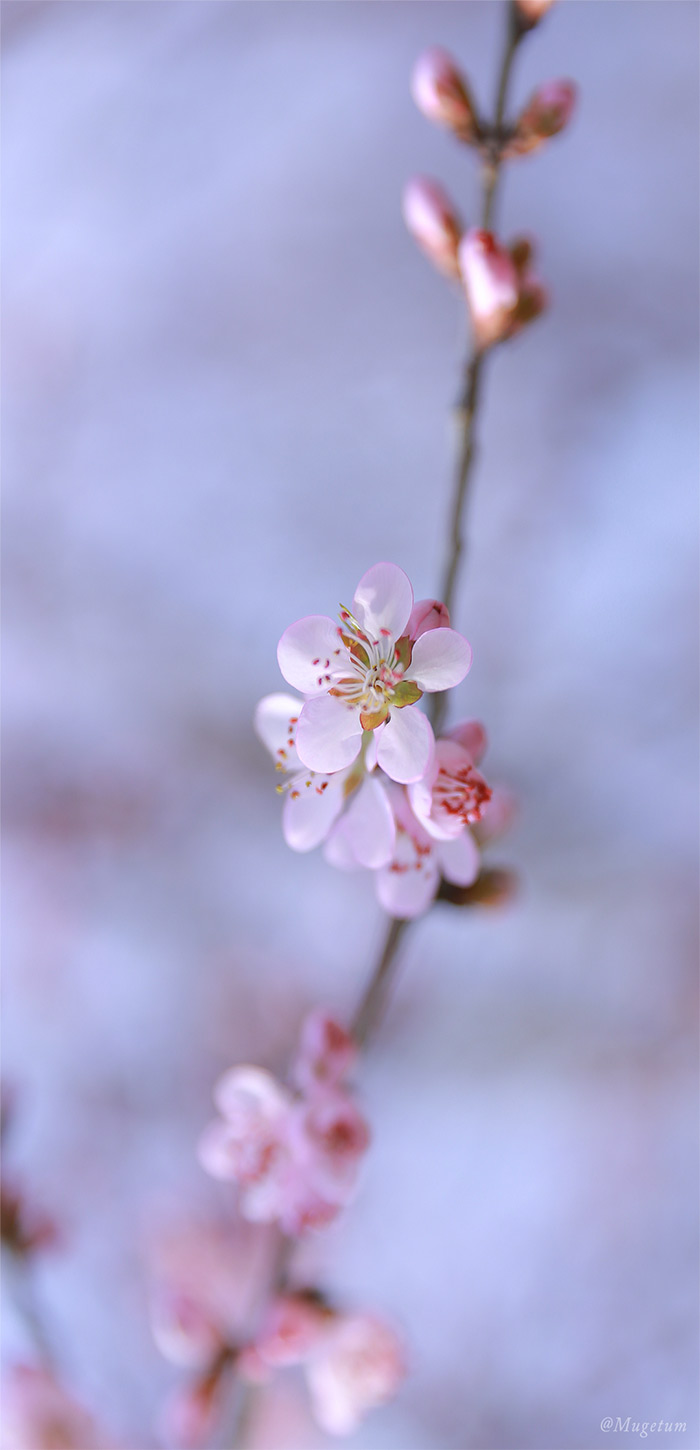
(463, 793)
(377, 673)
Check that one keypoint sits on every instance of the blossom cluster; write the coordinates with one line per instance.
(501, 288)
(352, 1361)
(365, 774)
(294, 1153)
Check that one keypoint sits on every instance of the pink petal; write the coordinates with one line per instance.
(275, 723)
(406, 746)
(383, 601)
(369, 825)
(460, 859)
(214, 1150)
(313, 802)
(250, 1091)
(337, 851)
(329, 733)
(441, 659)
(310, 654)
(472, 735)
(407, 896)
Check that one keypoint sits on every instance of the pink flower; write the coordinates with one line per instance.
(295, 1158)
(313, 801)
(183, 1329)
(409, 884)
(352, 1362)
(364, 677)
(441, 93)
(502, 292)
(533, 10)
(548, 111)
(491, 284)
(357, 1367)
(452, 795)
(38, 1412)
(326, 1056)
(433, 223)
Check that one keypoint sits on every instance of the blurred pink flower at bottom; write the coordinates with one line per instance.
(38, 1414)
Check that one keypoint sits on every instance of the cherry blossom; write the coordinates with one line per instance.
(409, 884)
(313, 801)
(362, 679)
(503, 293)
(433, 223)
(533, 10)
(441, 93)
(548, 112)
(294, 1156)
(37, 1411)
(352, 1362)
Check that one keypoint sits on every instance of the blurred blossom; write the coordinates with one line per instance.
(38, 1414)
(183, 1330)
(327, 1054)
(433, 223)
(533, 10)
(294, 1157)
(352, 1362)
(547, 113)
(441, 93)
(357, 1367)
(503, 293)
(191, 1412)
(365, 676)
(491, 284)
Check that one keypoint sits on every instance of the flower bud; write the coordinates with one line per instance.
(433, 223)
(427, 614)
(493, 887)
(440, 92)
(532, 11)
(491, 284)
(548, 111)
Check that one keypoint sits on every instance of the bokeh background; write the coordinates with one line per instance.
(227, 374)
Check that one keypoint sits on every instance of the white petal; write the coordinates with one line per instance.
(312, 804)
(369, 825)
(408, 893)
(460, 859)
(420, 793)
(213, 1150)
(249, 1090)
(406, 745)
(310, 654)
(383, 601)
(337, 851)
(441, 659)
(329, 733)
(275, 723)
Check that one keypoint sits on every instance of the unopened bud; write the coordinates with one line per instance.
(532, 11)
(427, 614)
(441, 93)
(493, 887)
(547, 112)
(433, 223)
(532, 296)
(491, 284)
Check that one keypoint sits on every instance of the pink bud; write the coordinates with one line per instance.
(533, 10)
(294, 1326)
(548, 111)
(491, 284)
(427, 614)
(433, 223)
(326, 1053)
(440, 92)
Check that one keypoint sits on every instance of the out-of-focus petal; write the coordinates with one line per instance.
(472, 735)
(383, 601)
(275, 722)
(369, 825)
(312, 804)
(459, 859)
(311, 654)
